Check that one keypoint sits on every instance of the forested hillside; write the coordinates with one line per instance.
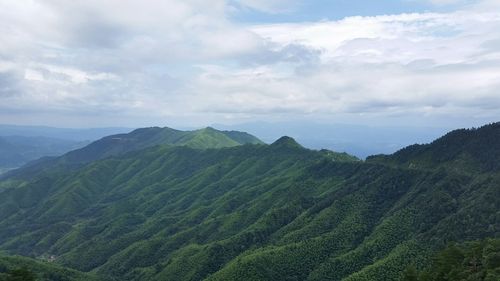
(227, 211)
(474, 261)
(16, 268)
(136, 140)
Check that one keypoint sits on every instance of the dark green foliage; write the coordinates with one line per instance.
(410, 274)
(20, 274)
(15, 268)
(474, 261)
(251, 212)
(465, 150)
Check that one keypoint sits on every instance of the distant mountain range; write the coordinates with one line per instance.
(359, 140)
(22, 144)
(16, 151)
(163, 204)
(136, 140)
(60, 133)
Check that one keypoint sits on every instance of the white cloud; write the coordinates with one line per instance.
(484, 5)
(185, 60)
(411, 64)
(351, 89)
(271, 6)
(399, 38)
(33, 75)
(447, 2)
(487, 5)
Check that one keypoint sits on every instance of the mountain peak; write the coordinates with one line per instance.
(142, 138)
(207, 129)
(286, 141)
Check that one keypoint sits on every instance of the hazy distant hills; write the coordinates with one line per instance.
(359, 140)
(162, 204)
(140, 139)
(22, 144)
(60, 133)
(18, 150)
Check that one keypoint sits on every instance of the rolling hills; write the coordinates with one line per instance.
(161, 204)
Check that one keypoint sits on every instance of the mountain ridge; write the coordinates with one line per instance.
(182, 213)
(477, 147)
(136, 140)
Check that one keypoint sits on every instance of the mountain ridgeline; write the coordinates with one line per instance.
(161, 204)
(136, 140)
(148, 137)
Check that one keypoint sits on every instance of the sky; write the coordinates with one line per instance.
(192, 63)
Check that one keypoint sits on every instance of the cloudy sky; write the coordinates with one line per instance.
(88, 63)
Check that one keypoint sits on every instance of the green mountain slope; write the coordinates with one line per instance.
(136, 140)
(476, 260)
(465, 150)
(253, 212)
(18, 268)
(148, 137)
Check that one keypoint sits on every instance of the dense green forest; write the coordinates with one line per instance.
(472, 261)
(17, 268)
(209, 209)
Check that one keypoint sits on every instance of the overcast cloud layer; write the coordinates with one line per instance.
(189, 62)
